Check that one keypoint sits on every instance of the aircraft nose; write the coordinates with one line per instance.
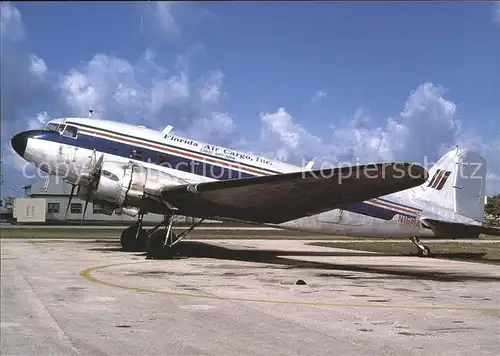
(19, 143)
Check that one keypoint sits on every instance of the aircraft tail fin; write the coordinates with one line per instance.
(457, 183)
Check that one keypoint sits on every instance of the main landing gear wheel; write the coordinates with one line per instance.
(156, 247)
(423, 250)
(134, 239)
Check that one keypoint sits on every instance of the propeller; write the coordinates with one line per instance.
(93, 181)
(69, 201)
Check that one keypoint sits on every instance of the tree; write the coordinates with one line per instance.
(8, 203)
(492, 209)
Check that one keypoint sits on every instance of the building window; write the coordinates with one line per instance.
(30, 211)
(97, 208)
(53, 207)
(76, 208)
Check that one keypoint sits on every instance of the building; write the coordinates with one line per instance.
(53, 193)
(6, 214)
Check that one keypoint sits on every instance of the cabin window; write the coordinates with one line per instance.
(70, 131)
(51, 127)
(136, 155)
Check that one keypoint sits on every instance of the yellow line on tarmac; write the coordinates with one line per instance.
(88, 275)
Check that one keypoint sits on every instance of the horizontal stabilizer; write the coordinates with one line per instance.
(284, 197)
(454, 229)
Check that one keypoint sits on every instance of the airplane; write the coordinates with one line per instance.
(141, 170)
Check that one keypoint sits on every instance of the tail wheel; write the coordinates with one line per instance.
(425, 251)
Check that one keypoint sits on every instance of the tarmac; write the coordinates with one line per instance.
(241, 297)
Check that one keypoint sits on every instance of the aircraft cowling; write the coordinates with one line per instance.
(116, 184)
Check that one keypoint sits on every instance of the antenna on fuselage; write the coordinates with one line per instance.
(167, 130)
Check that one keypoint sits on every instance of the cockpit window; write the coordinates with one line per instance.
(51, 127)
(61, 127)
(70, 131)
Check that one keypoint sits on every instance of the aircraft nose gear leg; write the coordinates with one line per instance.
(423, 250)
(134, 238)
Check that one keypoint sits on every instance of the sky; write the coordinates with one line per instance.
(338, 82)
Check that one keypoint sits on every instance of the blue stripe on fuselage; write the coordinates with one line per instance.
(373, 211)
(188, 165)
(226, 160)
(148, 155)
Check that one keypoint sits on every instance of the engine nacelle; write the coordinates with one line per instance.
(131, 210)
(106, 208)
(117, 184)
(123, 185)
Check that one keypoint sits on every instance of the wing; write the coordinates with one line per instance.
(448, 228)
(283, 197)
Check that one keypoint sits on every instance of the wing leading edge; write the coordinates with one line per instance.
(284, 197)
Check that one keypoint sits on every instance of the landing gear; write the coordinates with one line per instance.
(161, 241)
(134, 238)
(423, 250)
(158, 242)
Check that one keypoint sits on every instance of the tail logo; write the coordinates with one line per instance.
(439, 179)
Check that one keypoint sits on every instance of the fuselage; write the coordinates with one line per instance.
(65, 147)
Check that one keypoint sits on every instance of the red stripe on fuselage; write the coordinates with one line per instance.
(391, 206)
(166, 149)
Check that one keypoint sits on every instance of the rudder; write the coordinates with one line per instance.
(457, 183)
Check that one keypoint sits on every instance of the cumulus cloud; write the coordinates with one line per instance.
(318, 96)
(161, 20)
(171, 91)
(425, 129)
(215, 127)
(37, 66)
(11, 24)
(286, 140)
(210, 93)
(496, 11)
(118, 89)
(39, 121)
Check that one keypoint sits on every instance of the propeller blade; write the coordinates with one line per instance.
(69, 201)
(97, 167)
(84, 211)
(94, 174)
(99, 162)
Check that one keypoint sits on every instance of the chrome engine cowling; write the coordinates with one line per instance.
(117, 184)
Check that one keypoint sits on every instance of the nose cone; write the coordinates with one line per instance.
(19, 143)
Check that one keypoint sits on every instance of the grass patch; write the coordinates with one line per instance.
(477, 252)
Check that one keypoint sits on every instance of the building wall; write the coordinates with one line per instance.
(27, 210)
(56, 210)
(55, 195)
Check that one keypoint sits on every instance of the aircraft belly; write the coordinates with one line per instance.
(343, 218)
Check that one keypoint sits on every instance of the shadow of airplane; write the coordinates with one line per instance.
(197, 249)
